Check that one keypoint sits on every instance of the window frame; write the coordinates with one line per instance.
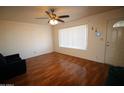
(74, 47)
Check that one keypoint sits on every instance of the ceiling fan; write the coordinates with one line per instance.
(53, 18)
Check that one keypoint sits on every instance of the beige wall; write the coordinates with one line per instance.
(27, 39)
(32, 39)
(96, 46)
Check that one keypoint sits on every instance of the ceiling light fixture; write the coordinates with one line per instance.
(53, 21)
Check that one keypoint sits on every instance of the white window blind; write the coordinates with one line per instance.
(74, 37)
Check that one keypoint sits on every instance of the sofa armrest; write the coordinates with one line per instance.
(11, 57)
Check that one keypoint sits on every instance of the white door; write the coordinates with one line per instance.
(115, 43)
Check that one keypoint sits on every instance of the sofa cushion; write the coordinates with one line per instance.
(2, 60)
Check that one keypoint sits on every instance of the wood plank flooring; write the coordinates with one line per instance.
(55, 69)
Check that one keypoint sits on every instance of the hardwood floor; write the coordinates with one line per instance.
(59, 69)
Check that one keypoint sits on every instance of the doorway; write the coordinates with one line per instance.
(114, 54)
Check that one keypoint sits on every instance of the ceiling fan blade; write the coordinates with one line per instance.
(42, 18)
(60, 20)
(48, 14)
(64, 16)
(52, 10)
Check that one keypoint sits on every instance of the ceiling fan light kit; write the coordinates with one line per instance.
(53, 22)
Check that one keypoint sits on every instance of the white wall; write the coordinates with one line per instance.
(96, 46)
(27, 39)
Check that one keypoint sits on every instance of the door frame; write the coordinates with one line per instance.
(107, 29)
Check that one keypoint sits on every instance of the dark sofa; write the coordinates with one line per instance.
(11, 66)
(115, 76)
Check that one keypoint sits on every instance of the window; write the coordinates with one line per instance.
(119, 24)
(74, 37)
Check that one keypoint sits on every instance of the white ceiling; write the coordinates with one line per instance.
(29, 13)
